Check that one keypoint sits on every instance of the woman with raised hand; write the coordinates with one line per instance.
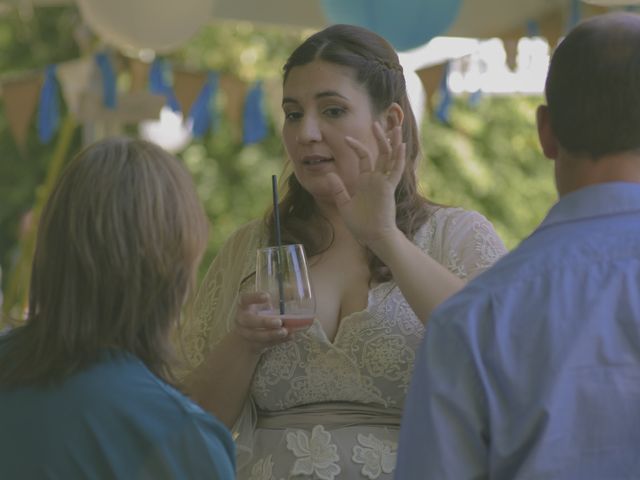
(326, 403)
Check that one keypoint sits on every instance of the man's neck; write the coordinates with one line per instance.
(575, 172)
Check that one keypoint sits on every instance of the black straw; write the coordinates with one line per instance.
(276, 213)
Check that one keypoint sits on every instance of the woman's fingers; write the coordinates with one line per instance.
(391, 156)
(364, 156)
(259, 329)
(340, 194)
(267, 336)
(395, 174)
(247, 300)
(385, 148)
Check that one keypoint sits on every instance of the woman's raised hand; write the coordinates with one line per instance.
(370, 214)
(258, 331)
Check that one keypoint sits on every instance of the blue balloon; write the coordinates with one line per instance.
(405, 23)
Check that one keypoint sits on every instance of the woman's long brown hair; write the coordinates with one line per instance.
(376, 67)
(118, 244)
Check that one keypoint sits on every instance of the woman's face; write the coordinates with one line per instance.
(323, 104)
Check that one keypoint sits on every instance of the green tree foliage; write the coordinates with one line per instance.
(28, 44)
(488, 159)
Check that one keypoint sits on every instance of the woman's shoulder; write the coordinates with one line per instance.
(449, 219)
(245, 237)
(443, 217)
(456, 214)
(451, 225)
(252, 229)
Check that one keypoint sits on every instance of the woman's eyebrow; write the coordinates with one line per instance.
(325, 93)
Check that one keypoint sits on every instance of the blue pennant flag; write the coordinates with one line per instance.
(255, 124)
(159, 83)
(533, 29)
(202, 113)
(446, 99)
(48, 106)
(475, 97)
(575, 14)
(108, 80)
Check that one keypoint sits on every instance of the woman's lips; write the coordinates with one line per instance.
(313, 160)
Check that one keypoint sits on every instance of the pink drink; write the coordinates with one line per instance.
(295, 322)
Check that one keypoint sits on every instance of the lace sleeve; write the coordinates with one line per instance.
(464, 241)
(213, 311)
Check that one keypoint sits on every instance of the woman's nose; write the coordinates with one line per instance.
(309, 130)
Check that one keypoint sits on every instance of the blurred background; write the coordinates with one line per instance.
(202, 78)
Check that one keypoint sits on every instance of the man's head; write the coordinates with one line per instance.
(593, 87)
(591, 123)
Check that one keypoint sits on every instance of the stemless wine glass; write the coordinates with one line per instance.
(282, 272)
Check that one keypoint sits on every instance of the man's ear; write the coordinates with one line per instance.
(393, 117)
(547, 138)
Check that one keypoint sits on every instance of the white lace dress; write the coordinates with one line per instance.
(331, 410)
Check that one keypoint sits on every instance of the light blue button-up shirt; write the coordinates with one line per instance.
(533, 370)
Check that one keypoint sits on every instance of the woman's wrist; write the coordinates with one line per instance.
(388, 244)
(252, 350)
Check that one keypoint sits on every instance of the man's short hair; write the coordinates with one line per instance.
(593, 86)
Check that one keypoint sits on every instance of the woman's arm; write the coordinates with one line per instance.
(422, 280)
(370, 215)
(222, 339)
(221, 383)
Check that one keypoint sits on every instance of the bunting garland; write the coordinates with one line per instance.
(575, 14)
(187, 86)
(255, 126)
(108, 78)
(159, 84)
(140, 74)
(446, 99)
(20, 98)
(48, 107)
(90, 92)
(201, 113)
(431, 78)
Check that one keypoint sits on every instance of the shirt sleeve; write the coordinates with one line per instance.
(444, 432)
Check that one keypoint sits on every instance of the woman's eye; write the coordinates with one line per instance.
(334, 112)
(292, 115)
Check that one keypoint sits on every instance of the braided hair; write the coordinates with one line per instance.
(377, 68)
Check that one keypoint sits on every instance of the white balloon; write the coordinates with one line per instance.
(160, 25)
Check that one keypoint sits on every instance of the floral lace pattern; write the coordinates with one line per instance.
(262, 469)
(315, 455)
(370, 361)
(375, 455)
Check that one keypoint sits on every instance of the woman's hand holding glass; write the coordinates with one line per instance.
(283, 303)
(283, 274)
(259, 331)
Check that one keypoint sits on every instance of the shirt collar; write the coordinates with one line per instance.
(594, 201)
